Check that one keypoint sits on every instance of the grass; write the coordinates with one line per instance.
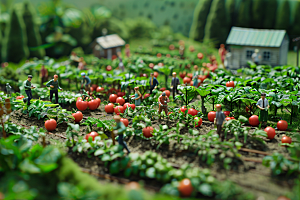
(292, 58)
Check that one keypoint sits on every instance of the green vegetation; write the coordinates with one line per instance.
(283, 17)
(244, 14)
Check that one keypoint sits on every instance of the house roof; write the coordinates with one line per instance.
(255, 37)
(110, 41)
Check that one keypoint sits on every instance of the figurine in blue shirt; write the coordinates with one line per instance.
(153, 83)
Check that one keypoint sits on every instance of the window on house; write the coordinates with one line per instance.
(249, 54)
(267, 55)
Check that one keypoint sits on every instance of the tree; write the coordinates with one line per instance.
(200, 16)
(270, 14)
(216, 26)
(15, 42)
(258, 13)
(296, 24)
(230, 6)
(244, 15)
(32, 32)
(1, 41)
(283, 16)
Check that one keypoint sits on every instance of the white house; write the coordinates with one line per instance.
(273, 46)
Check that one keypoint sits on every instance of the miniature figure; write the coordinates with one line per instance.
(181, 48)
(222, 53)
(153, 82)
(137, 96)
(87, 82)
(119, 130)
(256, 57)
(54, 86)
(28, 86)
(81, 63)
(121, 65)
(127, 50)
(163, 103)
(219, 121)
(175, 82)
(8, 89)
(263, 105)
(43, 75)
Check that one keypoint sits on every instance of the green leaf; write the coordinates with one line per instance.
(29, 167)
(114, 167)
(205, 189)
(150, 172)
(243, 119)
(74, 127)
(49, 155)
(99, 152)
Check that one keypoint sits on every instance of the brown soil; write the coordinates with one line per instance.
(251, 176)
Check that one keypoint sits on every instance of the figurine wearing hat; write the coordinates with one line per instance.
(256, 57)
(263, 105)
(54, 86)
(28, 86)
(119, 130)
(153, 82)
(175, 82)
(137, 96)
(220, 120)
(87, 81)
(163, 103)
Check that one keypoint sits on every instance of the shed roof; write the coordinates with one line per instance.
(110, 41)
(255, 37)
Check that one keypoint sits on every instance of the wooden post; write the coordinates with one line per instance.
(113, 137)
(44, 141)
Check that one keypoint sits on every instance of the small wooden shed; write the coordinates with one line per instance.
(107, 46)
(273, 46)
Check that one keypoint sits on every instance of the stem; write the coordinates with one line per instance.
(291, 115)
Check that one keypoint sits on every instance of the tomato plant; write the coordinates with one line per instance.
(197, 122)
(92, 134)
(192, 112)
(282, 125)
(78, 116)
(50, 125)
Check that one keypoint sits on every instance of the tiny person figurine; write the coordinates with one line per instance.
(137, 96)
(181, 48)
(119, 130)
(222, 53)
(263, 105)
(163, 103)
(175, 82)
(81, 63)
(153, 82)
(219, 121)
(8, 89)
(121, 65)
(127, 50)
(54, 86)
(43, 75)
(256, 57)
(28, 86)
(87, 82)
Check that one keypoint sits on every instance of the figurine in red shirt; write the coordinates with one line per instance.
(43, 75)
(163, 103)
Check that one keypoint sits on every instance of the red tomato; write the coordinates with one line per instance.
(227, 118)
(190, 75)
(50, 125)
(121, 94)
(170, 113)
(91, 89)
(200, 55)
(108, 68)
(112, 98)
(144, 75)
(93, 104)
(126, 105)
(160, 64)
(94, 86)
(155, 74)
(286, 139)
(171, 47)
(132, 186)
(185, 187)
(197, 122)
(151, 65)
(100, 89)
(147, 132)
(158, 55)
(20, 97)
(191, 48)
(109, 108)
(168, 56)
(78, 116)
(79, 98)
(253, 120)
(270, 132)
(182, 75)
(132, 106)
(125, 121)
(81, 105)
(99, 101)
(282, 125)
(226, 113)
(183, 109)
(162, 89)
(186, 80)
(232, 118)
(230, 84)
(119, 109)
(192, 83)
(192, 112)
(168, 93)
(120, 101)
(146, 96)
(211, 116)
(92, 134)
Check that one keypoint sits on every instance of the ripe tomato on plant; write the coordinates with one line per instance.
(109, 108)
(186, 80)
(226, 113)
(168, 93)
(147, 132)
(81, 105)
(91, 89)
(126, 105)
(132, 106)
(253, 120)
(121, 94)
(227, 118)
(50, 125)
(99, 101)
(78, 116)
(192, 112)
(92, 134)
(190, 75)
(230, 84)
(108, 68)
(197, 122)
(93, 104)
(146, 96)
(120, 101)
(151, 65)
(125, 121)
(286, 139)
(158, 55)
(282, 125)
(20, 97)
(183, 109)
(99, 89)
(155, 74)
(270, 132)
(185, 187)
(162, 89)
(200, 56)
(211, 116)
(119, 109)
(112, 98)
